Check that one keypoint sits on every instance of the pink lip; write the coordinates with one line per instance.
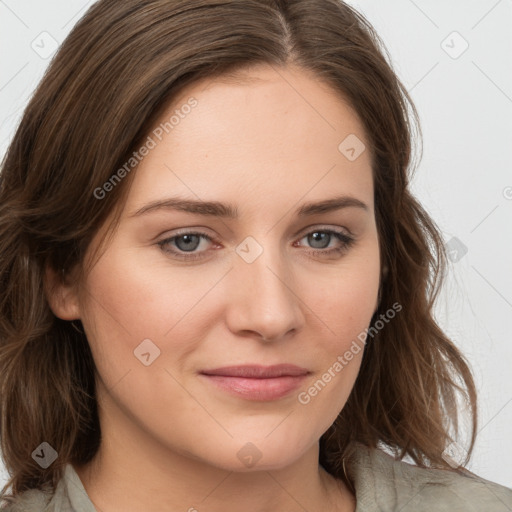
(256, 382)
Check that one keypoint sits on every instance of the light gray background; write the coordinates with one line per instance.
(464, 179)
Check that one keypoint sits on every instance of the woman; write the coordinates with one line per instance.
(218, 286)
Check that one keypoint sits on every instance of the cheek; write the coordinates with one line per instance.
(142, 297)
(345, 311)
(128, 301)
(342, 311)
(344, 303)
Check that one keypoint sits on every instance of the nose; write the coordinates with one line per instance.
(262, 297)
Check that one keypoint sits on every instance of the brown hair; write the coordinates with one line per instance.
(112, 77)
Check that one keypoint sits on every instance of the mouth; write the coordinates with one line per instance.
(256, 382)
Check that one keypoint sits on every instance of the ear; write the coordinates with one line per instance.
(61, 293)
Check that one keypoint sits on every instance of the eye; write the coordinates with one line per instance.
(184, 245)
(321, 238)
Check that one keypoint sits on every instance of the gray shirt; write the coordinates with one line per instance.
(382, 484)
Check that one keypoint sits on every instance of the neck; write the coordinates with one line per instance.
(132, 468)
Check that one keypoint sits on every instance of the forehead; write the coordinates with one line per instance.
(257, 134)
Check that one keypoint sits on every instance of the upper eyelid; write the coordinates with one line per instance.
(306, 230)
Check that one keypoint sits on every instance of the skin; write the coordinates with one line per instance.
(170, 439)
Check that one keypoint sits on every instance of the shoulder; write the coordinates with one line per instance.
(68, 495)
(381, 480)
(32, 500)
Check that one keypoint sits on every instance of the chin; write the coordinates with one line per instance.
(254, 454)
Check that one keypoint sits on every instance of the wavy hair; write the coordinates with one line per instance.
(111, 79)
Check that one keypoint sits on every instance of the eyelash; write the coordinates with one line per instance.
(347, 242)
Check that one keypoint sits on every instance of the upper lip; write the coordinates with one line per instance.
(258, 371)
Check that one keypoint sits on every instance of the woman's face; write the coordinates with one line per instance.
(267, 286)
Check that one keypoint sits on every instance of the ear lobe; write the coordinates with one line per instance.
(61, 294)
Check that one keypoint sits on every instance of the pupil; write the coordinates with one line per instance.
(317, 237)
(189, 242)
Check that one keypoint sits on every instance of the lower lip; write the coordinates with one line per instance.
(257, 389)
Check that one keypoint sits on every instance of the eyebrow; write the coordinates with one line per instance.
(229, 211)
